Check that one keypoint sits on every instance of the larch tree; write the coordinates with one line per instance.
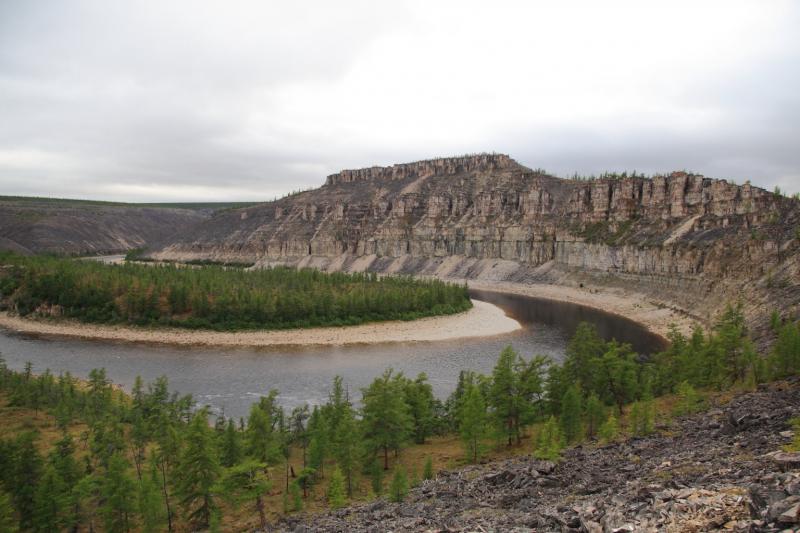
(472, 422)
(198, 470)
(387, 422)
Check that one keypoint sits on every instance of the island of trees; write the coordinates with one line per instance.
(150, 461)
(216, 297)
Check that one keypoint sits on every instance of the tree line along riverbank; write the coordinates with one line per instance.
(150, 460)
(215, 297)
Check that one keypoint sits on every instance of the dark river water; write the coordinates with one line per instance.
(230, 379)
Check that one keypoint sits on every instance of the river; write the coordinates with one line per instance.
(230, 379)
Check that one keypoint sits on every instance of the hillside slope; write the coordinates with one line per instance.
(687, 241)
(721, 470)
(32, 225)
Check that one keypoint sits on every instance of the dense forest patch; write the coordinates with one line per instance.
(216, 297)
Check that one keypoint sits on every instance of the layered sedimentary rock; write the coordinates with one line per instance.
(692, 242)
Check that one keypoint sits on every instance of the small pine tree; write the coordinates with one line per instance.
(688, 400)
(795, 444)
(246, 482)
(297, 496)
(427, 470)
(609, 431)
(305, 479)
(414, 477)
(472, 422)
(570, 419)
(336, 490)
(198, 470)
(398, 489)
(150, 504)
(376, 476)
(119, 492)
(642, 418)
(595, 414)
(50, 501)
(231, 445)
(549, 441)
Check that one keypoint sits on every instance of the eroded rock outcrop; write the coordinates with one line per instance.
(689, 241)
(715, 471)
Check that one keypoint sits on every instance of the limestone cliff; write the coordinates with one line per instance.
(688, 241)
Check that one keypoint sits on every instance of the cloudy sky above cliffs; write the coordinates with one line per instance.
(246, 100)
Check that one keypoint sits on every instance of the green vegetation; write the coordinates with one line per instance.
(549, 441)
(605, 232)
(148, 461)
(216, 297)
(398, 489)
(795, 444)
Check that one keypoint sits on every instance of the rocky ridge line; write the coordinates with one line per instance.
(685, 241)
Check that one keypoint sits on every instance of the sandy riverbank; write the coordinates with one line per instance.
(634, 306)
(483, 320)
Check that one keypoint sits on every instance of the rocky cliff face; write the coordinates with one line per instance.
(692, 242)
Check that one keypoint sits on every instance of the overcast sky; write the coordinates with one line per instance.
(236, 100)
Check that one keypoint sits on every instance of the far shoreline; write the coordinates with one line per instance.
(482, 320)
(655, 317)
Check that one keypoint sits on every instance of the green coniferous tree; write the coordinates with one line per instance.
(427, 469)
(305, 479)
(318, 441)
(688, 400)
(247, 482)
(262, 440)
(231, 446)
(149, 502)
(386, 421)
(296, 495)
(549, 442)
(376, 476)
(595, 415)
(118, 492)
(420, 400)
(785, 357)
(336, 490)
(570, 420)
(51, 502)
(505, 396)
(583, 350)
(609, 431)
(616, 374)
(398, 488)
(26, 470)
(472, 422)
(346, 449)
(198, 470)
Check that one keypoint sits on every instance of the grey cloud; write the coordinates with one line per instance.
(184, 101)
